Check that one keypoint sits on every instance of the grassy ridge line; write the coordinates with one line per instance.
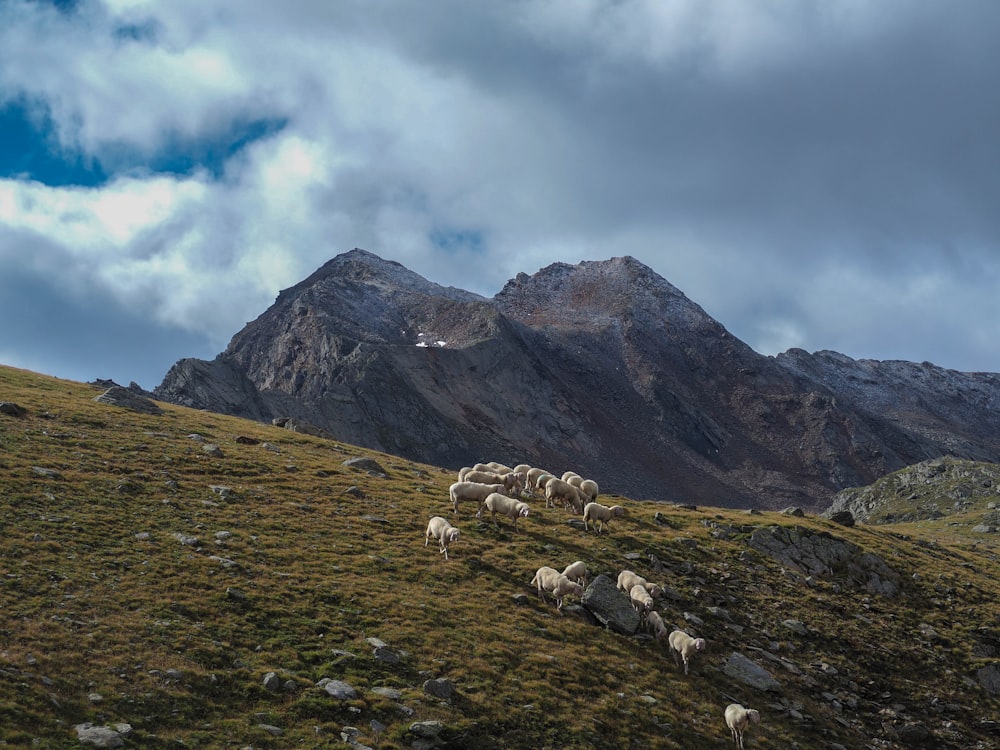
(176, 642)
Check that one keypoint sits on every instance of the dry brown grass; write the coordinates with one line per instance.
(176, 638)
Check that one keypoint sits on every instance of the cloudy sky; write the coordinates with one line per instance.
(822, 173)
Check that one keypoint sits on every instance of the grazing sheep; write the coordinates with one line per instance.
(655, 625)
(576, 480)
(438, 528)
(471, 491)
(542, 481)
(567, 474)
(522, 469)
(484, 477)
(531, 476)
(557, 489)
(508, 506)
(738, 719)
(552, 581)
(577, 572)
(499, 468)
(627, 579)
(589, 488)
(600, 514)
(640, 599)
(684, 647)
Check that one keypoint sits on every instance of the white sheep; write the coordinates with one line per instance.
(552, 581)
(543, 480)
(438, 528)
(684, 647)
(656, 626)
(557, 489)
(484, 477)
(499, 468)
(567, 474)
(463, 472)
(590, 489)
(577, 572)
(522, 469)
(738, 719)
(627, 579)
(531, 476)
(508, 506)
(600, 514)
(471, 491)
(640, 599)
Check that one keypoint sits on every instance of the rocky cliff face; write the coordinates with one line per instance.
(602, 367)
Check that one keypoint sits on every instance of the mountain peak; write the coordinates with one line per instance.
(595, 292)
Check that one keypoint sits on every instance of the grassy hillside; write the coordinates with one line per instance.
(148, 581)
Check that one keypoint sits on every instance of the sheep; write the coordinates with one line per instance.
(522, 469)
(738, 719)
(438, 528)
(627, 579)
(589, 488)
(557, 489)
(471, 491)
(684, 647)
(567, 474)
(531, 476)
(552, 581)
(463, 472)
(640, 599)
(655, 625)
(542, 481)
(483, 477)
(600, 514)
(499, 468)
(577, 572)
(508, 506)
(575, 479)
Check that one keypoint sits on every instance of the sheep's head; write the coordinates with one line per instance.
(523, 512)
(453, 535)
(617, 511)
(753, 715)
(699, 644)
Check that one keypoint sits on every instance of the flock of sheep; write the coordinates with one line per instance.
(496, 488)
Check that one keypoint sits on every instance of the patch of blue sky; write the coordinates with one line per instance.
(454, 240)
(30, 150)
(181, 155)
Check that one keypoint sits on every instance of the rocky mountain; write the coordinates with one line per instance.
(601, 367)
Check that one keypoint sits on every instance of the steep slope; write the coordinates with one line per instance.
(187, 579)
(602, 367)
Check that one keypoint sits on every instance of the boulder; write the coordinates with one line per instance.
(610, 606)
(123, 397)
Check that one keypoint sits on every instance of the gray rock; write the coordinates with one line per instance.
(821, 554)
(12, 409)
(123, 397)
(272, 682)
(428, 730)
(796, 626)
(989, 678)
(443, 689)
(211, 449)
(365, 464)
(749, 673)
(386, 692)
(338, 689)
(843, 517)
(99, 736)
(610, 606)
(41, 471)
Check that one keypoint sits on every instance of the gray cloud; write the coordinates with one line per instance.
(821, 175)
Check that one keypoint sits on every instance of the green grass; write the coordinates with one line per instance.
(99, 598)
